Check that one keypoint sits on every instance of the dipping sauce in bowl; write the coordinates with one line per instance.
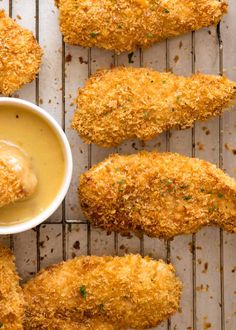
(43, 141)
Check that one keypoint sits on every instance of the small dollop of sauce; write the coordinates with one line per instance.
(19, 162)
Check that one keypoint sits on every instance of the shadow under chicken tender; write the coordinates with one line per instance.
(124, 25)
(127, 292)
(11, 296)
(125, 103)
(17, 178)
(159, 194)
(20, 55)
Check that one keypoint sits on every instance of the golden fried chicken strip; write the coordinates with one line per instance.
(124, 25)
(17, 178)
(11, 296)
(159, 194)
(127, 292)
(20, 55)
(125, 103)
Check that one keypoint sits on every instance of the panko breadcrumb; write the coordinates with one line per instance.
(11, 296)
(158, 194)
(124, 25)
(127, 292)
(20, 55)
(124, 103)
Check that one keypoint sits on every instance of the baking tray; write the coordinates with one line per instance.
(205, 261)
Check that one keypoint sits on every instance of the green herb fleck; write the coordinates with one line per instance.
(149, 35)
(213, 208)
(83, 291)
(166, 11)
(101, 307)
(121, 181)
(187, 198)
(202, 189)
(119, 26)
(129, 99)
(163, 81)
(169, 181)
(93, 34)
(220, 195)
(146, 114)
(117, 169)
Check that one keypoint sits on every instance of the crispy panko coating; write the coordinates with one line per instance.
(124, 25)
(88, 324)
(20, 55)
(11, 296)
(10, 185)
(159, 194)
(128, 292)
(125, 103)
(17, 178)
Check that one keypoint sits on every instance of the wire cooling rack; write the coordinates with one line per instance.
(205, 261)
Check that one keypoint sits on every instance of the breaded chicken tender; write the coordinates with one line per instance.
(125, 103)
(20, 55)
(17, 178)
(124, 25)
(159, 194)
(127, 292)
(11, 295)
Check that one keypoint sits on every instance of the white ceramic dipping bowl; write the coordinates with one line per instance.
(30, 223)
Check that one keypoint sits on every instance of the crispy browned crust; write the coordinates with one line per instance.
(20, 55)
(124, 25)
(128, 292)
(11, 296)
(56, 324)
(125, 103)
(11, 188)
(159, 194)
